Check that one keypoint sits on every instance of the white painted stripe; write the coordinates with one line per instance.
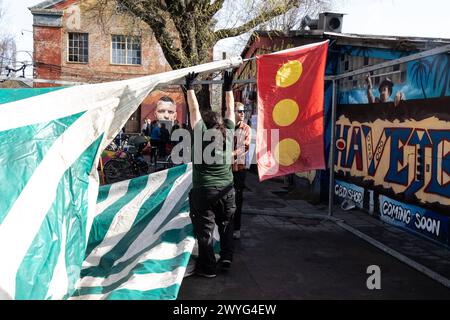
(60, 282)
(304, 47)
(17, 114)
(82, 98)
(70, 101)
(32, 205)
(178, 190)
(150, 281)
(124, 219)
(184, 246)
(117, 191)
(162, 251)
(143, 282)
(4, 295)
(92, 199)
(178, 222)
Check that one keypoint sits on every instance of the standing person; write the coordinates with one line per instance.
(242, 139)
(146, 127)
(164, 140)
(176, 125)
(155, 138)
(212, 196)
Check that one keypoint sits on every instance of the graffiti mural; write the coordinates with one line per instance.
(403, 151)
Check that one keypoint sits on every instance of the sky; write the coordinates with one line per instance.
(419, 18)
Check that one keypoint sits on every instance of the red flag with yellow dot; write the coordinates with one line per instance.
(290, 110)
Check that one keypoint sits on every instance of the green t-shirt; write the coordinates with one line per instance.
(212, 166)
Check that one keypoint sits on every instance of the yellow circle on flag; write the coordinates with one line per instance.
(289, 73)
(287, 152)
(285, 112)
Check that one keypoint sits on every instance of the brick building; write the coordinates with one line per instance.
(76, 42)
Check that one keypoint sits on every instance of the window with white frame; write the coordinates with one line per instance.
(126, 50)
(78, 47)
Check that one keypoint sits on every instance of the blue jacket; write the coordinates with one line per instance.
(156, 133)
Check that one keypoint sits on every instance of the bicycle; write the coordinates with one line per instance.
(128, 163)
(162, 163)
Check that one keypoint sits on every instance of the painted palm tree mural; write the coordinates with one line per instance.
(420, 72)
(441, 70)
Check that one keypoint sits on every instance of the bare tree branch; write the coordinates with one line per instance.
(158, 20)
(263, 17)
(185, 29)
(215, 7)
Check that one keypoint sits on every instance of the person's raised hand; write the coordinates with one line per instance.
(190, 77)
(227, 80)
(369, 81)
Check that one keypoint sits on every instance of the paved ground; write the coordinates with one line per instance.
(284, 255)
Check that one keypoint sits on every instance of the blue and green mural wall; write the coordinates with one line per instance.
(424, 78)
(393, 139)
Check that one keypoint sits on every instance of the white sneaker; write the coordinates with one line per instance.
(237, 234)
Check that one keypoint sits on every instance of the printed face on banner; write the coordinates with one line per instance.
(166, 110)
(164, 105)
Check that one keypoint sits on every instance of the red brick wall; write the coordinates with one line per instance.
(50, 47)
(47, 53)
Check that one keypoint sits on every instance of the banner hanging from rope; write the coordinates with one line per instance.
(290, 110)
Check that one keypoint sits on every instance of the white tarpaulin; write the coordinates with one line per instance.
(49, 149)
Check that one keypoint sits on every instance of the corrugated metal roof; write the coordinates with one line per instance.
(376, 41)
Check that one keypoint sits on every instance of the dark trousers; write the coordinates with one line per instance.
(155, 145)
(239, 185)
(162, 149)
(210, 206)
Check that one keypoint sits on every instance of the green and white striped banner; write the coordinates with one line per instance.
(50, 143)
(141, 240)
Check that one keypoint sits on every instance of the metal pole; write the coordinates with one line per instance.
(331, 154)
(223, 108)
(102, 172)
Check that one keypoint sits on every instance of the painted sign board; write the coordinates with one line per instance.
(348, 191)
(416, 219)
